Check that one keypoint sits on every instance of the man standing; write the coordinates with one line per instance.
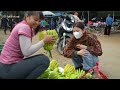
(4, 23)
(52, 24)
(109, 22)
(76, 17)
(60, 20)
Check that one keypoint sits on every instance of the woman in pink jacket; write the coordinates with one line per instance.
(16, 61)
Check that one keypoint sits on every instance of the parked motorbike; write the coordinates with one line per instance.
(65, 31)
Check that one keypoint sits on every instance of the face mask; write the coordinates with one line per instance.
(77, 35)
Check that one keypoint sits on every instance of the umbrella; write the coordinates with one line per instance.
(48, 13)
(58, 14)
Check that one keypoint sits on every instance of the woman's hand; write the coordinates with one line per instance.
(49, 39)
(80, 46)
(82, 52)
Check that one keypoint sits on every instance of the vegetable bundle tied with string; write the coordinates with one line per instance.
(48, 46)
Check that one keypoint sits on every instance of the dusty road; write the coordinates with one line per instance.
(109, 61)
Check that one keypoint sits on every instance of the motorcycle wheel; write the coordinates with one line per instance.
(60, 48)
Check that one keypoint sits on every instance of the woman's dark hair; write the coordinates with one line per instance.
(80, 25)
(75, 12)
(37, 29)
(35, 13)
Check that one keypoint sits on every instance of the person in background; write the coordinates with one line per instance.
(77, 19)
(16, 61)
(52, 24)
(109, 21)
(14, 23)
(60, 20)
(10, 21)
(83, 47)
(43, 24)
(4, 23)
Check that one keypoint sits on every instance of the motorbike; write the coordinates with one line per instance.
(65, 31)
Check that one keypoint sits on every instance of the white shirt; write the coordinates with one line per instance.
(27, 47)
(77, 19)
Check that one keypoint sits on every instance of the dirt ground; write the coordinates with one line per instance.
(109, 61)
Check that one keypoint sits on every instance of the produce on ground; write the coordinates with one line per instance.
(68, 72)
